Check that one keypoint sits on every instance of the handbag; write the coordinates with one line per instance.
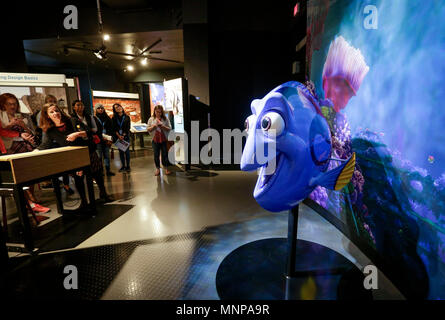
(96, 139)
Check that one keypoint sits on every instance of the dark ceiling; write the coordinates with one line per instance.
(133, 26)
(50, 52)
(128, 4)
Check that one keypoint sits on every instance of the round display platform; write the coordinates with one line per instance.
(256, 271)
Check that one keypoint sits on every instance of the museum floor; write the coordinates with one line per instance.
(163, 238)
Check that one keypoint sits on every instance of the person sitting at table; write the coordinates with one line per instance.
(121, 131)
(12, 119)
(61, 131)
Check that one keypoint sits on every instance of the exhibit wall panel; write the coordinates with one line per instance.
(32, 98)
(132, 107)
(173, 99)
(156, 95)
(377, 67)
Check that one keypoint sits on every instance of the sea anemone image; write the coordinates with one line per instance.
(343, 72)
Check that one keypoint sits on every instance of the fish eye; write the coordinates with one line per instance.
(272, 120)
(248, 123)
(265, 123)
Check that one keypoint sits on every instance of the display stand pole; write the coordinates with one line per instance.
(292, 241)
(292, 229)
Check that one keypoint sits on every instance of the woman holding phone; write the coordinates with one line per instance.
(12, 119)
(159, 126)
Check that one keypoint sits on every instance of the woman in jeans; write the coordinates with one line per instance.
(104, 129)
(160, 126)
(121, 130)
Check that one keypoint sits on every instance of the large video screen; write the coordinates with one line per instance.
(378, 68)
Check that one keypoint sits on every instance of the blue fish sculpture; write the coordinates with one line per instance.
(289, 119)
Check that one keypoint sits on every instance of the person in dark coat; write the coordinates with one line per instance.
(105, 133)
(59, 130)
(121, 129)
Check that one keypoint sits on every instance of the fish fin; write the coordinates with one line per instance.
(337, 159)
(337, 178)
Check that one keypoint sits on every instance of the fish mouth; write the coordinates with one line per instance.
(265, 181)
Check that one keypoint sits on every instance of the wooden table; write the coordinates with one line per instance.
(24, 169)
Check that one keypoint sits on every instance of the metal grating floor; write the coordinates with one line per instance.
(175, 267)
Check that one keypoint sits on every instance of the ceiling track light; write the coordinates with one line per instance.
(101, 53)
(144, 61)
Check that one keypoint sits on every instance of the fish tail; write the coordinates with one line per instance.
(336, 178)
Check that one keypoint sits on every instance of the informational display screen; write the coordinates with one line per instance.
(169, 94)
(139, 128)
(174, 103)
(156, 95)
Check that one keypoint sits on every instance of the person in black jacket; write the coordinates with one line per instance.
(61, 131)
(121, 129)
(104, 130)
(80, 116)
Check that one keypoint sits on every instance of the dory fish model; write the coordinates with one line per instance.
(289, 119)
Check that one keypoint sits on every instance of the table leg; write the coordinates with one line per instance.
(4, 257)
(56, 186)
(132, 137)
(20, 202)
(141, 140)
(90, 188)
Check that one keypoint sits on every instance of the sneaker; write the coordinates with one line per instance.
(128, 169)
(122, 169)
(110, 174)
(39, 209)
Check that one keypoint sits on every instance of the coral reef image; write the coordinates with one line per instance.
(380, 89)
